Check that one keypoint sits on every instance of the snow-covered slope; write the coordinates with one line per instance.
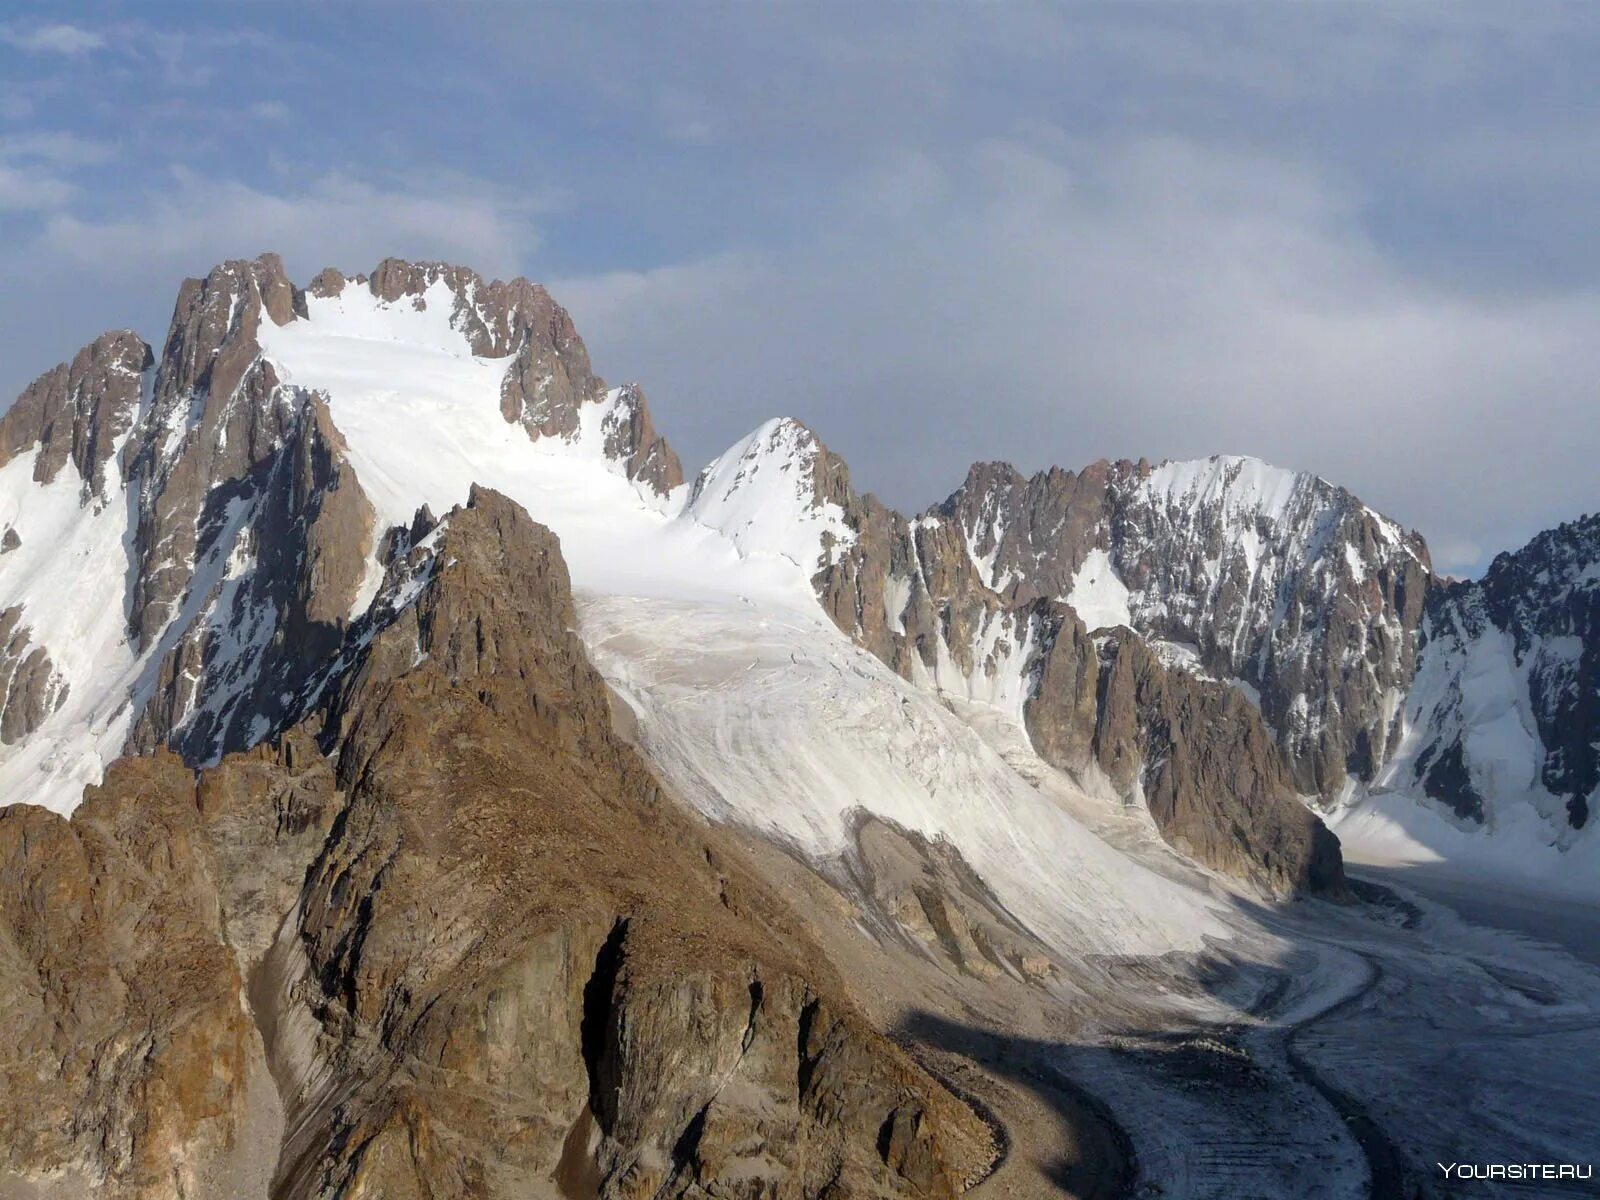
(422, 419)
(66, 579)
(778, 722)
(1500, 763)
(761, 494)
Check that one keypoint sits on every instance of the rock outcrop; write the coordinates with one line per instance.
(78, 411)
(217, 418)
(30, 686)
(133, 1067)
(1194, 751)
(281, 558)
(445, 938)
(1209, 773)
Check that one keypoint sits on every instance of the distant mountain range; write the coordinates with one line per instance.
(386, 639)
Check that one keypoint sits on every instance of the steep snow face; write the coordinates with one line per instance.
(1286, 584)
(778, 722)
(1098, 596)
(1502, 724)
(1236, 486)
(762, 495)
(68, 573)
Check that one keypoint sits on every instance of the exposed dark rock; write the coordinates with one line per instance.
(1209, 773)
(259, 638)
(30, 687)
(216, 417)
(76, 412)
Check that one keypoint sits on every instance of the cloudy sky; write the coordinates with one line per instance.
(1355, 239)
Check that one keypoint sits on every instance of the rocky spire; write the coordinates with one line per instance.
(78, 411)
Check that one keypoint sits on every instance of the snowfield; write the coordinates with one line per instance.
(69, 575)
(700, 613)
(780, 723)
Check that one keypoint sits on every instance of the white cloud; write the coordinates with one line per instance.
(58, 149)
(34, 169)
(70, 40)
(335, 218)
(28, 189)
(273, 111)
(1160, 298)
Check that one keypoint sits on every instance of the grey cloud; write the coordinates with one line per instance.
(1160, 299)
(334, 218)
(70, 40)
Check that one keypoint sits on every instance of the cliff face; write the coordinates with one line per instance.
(1274, 579)
(443, 938)
(76, 412)
(1193, 750)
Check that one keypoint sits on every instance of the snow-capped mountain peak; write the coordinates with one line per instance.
(768, 493)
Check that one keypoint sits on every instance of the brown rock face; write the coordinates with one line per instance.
(75, 412)
(132, 1056)
(30, 688)
(631, 439)
(216, 417)
(1062, 714)
(1194, 751)
(907, 591)
(1213, 780)
(474, 949)
(550, 378)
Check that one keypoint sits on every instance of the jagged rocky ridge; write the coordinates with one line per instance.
(444, 937)
(1506, 703)
(249, 537)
